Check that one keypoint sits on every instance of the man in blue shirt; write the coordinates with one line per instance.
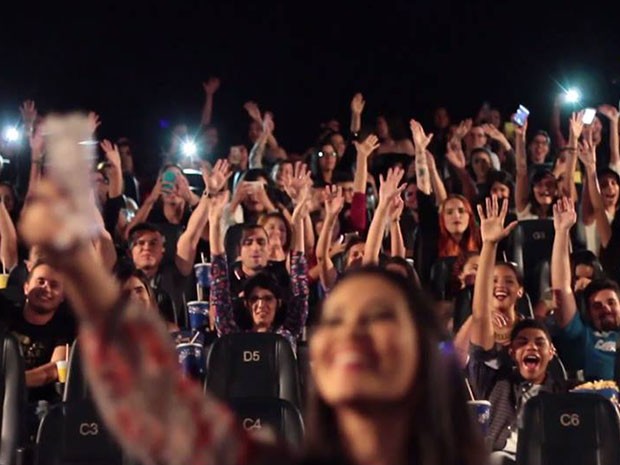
(587, 341)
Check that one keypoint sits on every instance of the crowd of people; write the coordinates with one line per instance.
(338, 245)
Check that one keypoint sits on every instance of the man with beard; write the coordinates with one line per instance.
(586, 341)
(41, 329)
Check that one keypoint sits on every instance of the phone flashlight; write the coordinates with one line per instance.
(188, 148)
(572, 95)
(11, 134)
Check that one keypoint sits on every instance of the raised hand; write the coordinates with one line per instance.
(216, 206)
(93, 121)
(610, 112)
(430, 161)
(211, 85)
(268, 124)
(37, 143)
(395, 208)
(216, 178)
(575, 125)
(369, 145)
(297, 185)
(357, 104)
(455, 155)
(463, 129)
(520, 131)
(420, 138)
(111, 153)
(388, 188)
(492, 222)
(302, 207)
(253, 111)
(564, 215)
(587, 151)
(334, 200)
(183, 189)
(28, 111)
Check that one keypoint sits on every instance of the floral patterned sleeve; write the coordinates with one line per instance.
(297, 311)
(220, 296)
(156, 414)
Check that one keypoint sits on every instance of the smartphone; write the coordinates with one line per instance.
(588, 115)
(168, 180)
(520, 116)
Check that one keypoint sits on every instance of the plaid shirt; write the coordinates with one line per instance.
(296, 310)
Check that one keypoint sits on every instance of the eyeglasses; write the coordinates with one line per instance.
(322, 154)
(267, 299)
(143, 243)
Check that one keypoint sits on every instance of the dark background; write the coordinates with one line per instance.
(138, 64)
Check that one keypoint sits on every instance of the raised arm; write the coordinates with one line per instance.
(258, 149)
(297, 187)
(456, 157)
(334, 201)
(564, 217)
(8, 239)
(210, 87)
(116, 172)
(522, 185)
(357, 107)
(436, 182)
(556, 128)
(492, 231)
(397, 243)
(421, 141)
(568, 182)
(215, 182)
(612, 114)
(157, 415)
(389, 199)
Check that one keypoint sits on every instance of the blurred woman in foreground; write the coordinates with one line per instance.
(384, 394)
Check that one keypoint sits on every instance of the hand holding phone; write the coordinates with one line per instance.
(521, 115)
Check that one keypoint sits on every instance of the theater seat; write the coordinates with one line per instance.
(253, 365)
(73, 433)
(75, 387)
(282, 417)
(441, 278)
(569, 429)
(532, 243)
(13, 398)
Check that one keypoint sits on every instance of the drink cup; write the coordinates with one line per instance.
(191, 358)
(198, 315)
(61, 367)
(481, 411)
(4, 280)
(203, 274)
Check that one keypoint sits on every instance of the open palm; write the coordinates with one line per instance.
(492, 221)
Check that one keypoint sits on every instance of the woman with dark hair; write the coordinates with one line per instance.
(323, 164)
(384, 394)
(135, 287)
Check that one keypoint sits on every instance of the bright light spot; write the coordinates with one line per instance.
(11, 134)
(189, 148)
(572, 96)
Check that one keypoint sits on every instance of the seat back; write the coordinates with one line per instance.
(76, 387)
(73, 433)
(532, 245)
(280, 416)
(569, 429)
(441, 277)
(13, 398)
(253, 365)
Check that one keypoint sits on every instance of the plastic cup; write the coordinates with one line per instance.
(61, 367)
(481, 411)
(4, 280)
(198, 315)
(203, 274)
(191, 358)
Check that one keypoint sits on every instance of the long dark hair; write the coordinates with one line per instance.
(441, 431)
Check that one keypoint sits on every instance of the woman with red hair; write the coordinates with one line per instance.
(458, 232)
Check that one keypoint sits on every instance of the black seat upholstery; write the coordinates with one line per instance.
(73, 433)
(282, 417)
(253, 365)
(441, 277)
(75, 387)
(531, 251)
(13, 392)
(569, 429)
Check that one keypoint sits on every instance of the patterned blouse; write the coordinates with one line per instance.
(296, 310)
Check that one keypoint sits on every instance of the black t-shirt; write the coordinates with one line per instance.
(37, 344)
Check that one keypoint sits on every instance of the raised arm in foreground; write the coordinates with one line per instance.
(564, 217)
